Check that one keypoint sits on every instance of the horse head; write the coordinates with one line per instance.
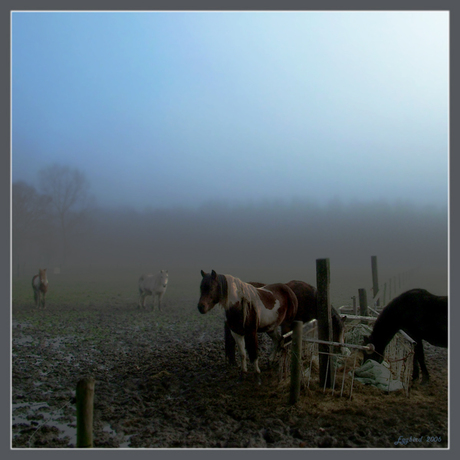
(210, 291)
(42, 275)
(163, 278)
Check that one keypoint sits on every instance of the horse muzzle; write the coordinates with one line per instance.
(202, 308)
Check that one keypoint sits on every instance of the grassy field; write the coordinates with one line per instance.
(118, 286)
(162, 377)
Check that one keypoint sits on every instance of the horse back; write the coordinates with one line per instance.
(422, 315)
(35, 282)
(152, 283)
(307, 300)
(287, 299)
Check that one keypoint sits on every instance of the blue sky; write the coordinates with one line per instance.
(167, 109)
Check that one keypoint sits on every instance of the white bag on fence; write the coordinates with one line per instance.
(374, 373)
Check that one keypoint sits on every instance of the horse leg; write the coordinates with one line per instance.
(140, 303)
(160, 297)
(252, 346)
(239, 339)
(36, 299)
(420, 357)
(43, 300)
(276, 345)
(229, 345)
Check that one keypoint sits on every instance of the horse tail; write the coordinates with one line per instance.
(291, 313)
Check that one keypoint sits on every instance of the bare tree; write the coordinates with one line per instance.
(32, 232)
(70, 201)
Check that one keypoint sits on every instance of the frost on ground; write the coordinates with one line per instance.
(162, 382)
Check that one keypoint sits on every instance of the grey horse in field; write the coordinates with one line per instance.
(154, 285)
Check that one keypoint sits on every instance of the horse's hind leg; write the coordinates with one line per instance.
(36, 299)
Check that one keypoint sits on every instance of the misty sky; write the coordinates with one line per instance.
(165, 109)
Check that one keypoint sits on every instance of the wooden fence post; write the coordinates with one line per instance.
(324, 320)
(85, 399)
(363, 302)
(296, 361)
(375, 279)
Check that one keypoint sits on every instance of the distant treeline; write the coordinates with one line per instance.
(264, 235)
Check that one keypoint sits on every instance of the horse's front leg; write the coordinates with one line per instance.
(160, 297)
(229, 345)
(239, 339)
(141, 301)
(252, 347)
(420, 357)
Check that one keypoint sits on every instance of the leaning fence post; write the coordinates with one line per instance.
(375, 279)
(85, 398)
(363, 302)
(324, 320)
(296, 361)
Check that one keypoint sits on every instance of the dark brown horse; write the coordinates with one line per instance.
(306, 311)
(248, 310)
(421, 315)
(40, 287)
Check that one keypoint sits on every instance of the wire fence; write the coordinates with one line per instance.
(345, 358)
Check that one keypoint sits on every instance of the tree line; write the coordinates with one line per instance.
(58, 224)
(45, 219)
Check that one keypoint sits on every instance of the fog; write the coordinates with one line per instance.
(274, 235)
(215, 140)
(166, 109)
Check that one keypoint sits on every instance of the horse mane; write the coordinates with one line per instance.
(222, 280)
(245, 293)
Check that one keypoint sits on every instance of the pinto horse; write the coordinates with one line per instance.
(40, 287)
(423, 316)
(248, 310)
(307, 310)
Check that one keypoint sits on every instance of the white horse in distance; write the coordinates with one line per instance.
(154, 285)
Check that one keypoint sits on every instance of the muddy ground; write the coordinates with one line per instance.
(162, 382)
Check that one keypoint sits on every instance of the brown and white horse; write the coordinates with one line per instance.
(40, 287)
(248, 310)
(307, 310)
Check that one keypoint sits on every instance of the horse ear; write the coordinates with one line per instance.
(203, 274)
(214, 274)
